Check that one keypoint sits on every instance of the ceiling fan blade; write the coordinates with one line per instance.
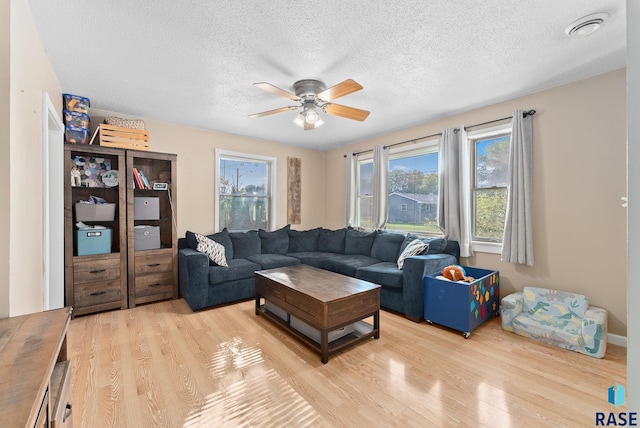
(340, 90)
(347, 112)
(274, 111)
(275, 90)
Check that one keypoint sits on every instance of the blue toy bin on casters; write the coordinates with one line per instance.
(462, 306)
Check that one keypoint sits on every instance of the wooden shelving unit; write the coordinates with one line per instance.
(95, 282)
(153, 273)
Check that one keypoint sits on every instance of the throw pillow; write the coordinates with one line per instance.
(211, 248)
(414, 248)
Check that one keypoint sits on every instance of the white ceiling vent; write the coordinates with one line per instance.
(586, 25)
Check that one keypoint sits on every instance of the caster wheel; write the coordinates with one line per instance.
(466, 335)
(496, 313)
(429, 322)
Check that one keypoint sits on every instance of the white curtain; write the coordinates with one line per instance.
(350, 203)
(453, 194)
(380, 187)
(517, 243)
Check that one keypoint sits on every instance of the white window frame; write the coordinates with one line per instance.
(472, 137)
(425, 147)
(219, 154)
(361, 159)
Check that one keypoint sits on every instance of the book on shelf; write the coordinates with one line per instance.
(145, 182)
(137, 181)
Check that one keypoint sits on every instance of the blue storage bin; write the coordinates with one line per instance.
(75, 119)
(462, 306)
(76, 135)
(75, 103)
(93, 241)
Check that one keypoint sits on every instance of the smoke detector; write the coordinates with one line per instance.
(586, 25)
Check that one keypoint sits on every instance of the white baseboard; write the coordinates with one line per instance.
(616, 339)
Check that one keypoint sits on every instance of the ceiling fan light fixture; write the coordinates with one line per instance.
(586, 25)
(309, 118)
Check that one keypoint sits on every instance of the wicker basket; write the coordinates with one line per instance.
(124, 138)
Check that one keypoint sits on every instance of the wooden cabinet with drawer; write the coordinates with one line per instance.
(154, 276)
(36, 373)
(95, 275)
(152, 263)
(108, 263)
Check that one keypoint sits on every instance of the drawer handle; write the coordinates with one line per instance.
(153, 264)
(98, 293)
(67, 412)
(157, 284)
(98, 271)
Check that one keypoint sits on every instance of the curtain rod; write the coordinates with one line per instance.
(415, 140)
(524, 114)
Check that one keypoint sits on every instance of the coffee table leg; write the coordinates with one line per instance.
(257, 304)
(376, 324)
(324, 346)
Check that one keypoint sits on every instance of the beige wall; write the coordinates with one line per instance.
(579, 176)
(196, 171)
(4, 157)
(30, 75)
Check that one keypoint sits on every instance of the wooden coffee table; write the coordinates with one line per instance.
(324, 300)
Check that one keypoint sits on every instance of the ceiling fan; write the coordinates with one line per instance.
(312, 96)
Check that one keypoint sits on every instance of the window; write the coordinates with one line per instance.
(413, 190)
(365, 192)
(245, 186)
(490, 165)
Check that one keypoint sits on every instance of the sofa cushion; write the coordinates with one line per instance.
(276, 242)
(359, 242)
(245, 244)
(313, 258)
(386, 246)
(211, 248)
(331, 241)
(238, 269)
(436, 245)
(272, 261)
(223, 238)
(303, 240)
(548, 305)
(386, 274)
(564, 333)
(220, 237)
(348, 264)
(415, 247)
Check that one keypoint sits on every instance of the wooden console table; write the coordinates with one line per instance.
(35, 373)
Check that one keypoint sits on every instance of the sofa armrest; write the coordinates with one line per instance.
(594, 331)
(193, 277)
(510, 307)
(415, 269)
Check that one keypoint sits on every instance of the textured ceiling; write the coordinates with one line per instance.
(194, 63)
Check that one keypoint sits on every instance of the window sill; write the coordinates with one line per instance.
(487, 247)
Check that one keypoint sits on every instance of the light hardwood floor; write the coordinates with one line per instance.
(163, 365)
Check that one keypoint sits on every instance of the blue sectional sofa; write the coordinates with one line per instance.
(371, 256)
